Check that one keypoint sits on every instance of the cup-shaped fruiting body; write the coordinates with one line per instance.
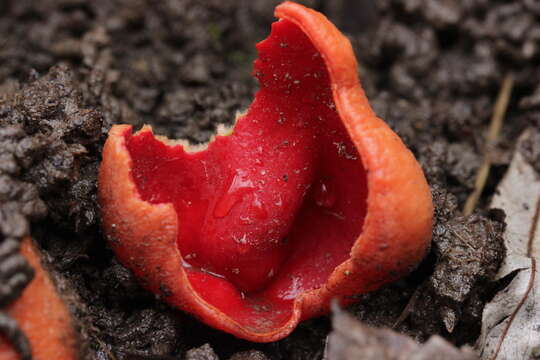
(310, 197)
(41, 315)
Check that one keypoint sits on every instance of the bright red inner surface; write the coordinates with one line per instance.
(269, 211)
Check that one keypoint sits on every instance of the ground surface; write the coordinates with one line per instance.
(69, 69)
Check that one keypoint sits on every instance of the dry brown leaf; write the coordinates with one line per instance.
(511, 321)
(353, 340)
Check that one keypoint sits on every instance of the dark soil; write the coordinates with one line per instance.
(69, 69)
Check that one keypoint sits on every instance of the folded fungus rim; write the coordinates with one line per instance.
(396, 230)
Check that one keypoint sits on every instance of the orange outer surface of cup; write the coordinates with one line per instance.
(42, 315)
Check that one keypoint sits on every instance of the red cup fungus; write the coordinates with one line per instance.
(309, 197)
(42, 315)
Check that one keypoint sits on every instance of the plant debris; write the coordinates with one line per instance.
(509, 324)
(351, 340)
(491, 140)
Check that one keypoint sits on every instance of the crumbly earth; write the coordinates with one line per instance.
(69, 69)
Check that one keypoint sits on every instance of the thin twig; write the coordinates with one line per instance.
(491, 140)
(516, 310)
(93, 332)
(533, 229)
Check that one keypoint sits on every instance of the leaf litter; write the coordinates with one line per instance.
(510, 328)
(353, 340)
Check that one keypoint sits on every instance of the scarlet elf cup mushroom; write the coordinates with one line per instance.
(42, 315)
(309, 197)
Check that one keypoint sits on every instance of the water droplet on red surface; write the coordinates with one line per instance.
(240, 185)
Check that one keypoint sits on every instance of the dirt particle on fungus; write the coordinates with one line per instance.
(281, 118)
(342, 151)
